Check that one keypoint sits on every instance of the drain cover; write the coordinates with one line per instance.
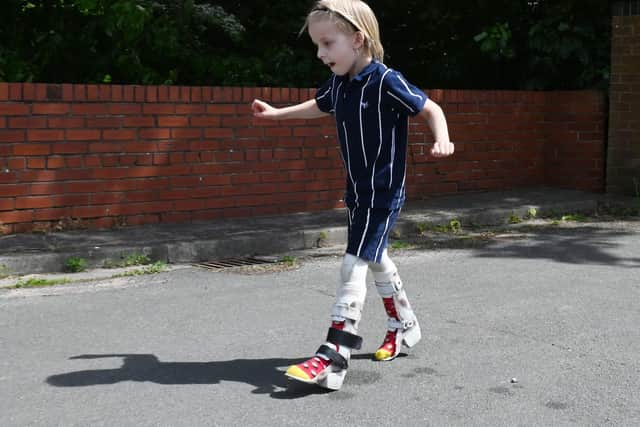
(235, 262)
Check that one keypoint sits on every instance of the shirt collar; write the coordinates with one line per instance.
(370, 68)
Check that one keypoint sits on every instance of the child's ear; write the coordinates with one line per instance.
(359, 40)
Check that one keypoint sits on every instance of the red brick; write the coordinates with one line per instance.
(83, 135)
(159, 109)
(190, 109)
(223, 109)
(35, 202)
(154, 133)
(113, 135)
(205, 121)
(66, 122)
(139, 121)
(51, 108)
(218, 133)
(16, 216)
(13, 109)
(35, 163)
(70, 147)
(12, 135)
(47, 188)
(90, 108)
(173, 121)
(182, 133)
(125, 108)
(6, 204)
(31, 149)
(105, 147)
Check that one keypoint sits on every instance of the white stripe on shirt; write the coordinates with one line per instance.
(364, 151)
(402, 102)
(407, 87)
(346, 144)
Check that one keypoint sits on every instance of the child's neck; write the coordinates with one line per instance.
(359, 65)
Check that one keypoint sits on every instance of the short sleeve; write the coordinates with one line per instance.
(401, 94)
(324, 96)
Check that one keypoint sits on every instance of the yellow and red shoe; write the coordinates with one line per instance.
(326, 369)
(309, 371)
(329, 366)
(390, 348)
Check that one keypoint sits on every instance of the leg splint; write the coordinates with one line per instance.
(402, 324)
(329, 366)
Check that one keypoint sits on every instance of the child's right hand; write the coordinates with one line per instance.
(263, 110)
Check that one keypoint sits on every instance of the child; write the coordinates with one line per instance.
(371, 104)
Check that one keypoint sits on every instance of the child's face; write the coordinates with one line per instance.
(337, 49)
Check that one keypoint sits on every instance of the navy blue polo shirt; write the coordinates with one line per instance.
(372, 119)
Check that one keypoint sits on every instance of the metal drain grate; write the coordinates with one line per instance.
(234, 262)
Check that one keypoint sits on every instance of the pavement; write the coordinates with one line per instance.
(22, 254)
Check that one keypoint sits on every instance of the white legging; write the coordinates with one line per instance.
(353, 273)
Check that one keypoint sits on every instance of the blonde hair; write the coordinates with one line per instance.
(350, 16)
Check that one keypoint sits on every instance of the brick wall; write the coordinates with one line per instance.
(623, 155)
(101, 156)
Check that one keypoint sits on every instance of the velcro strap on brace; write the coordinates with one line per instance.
(338, 337)
(334, 356)
(400, 324)
(352, 311)
(388, 289)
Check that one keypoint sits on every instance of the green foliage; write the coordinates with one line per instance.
(35, 282)
(454, 226)
(128, 261)
(574, 218)
(401, 244)
(543, 44)
(496, 41)
(75, 265)
(289, 260)
(156, 267)
(514, 219)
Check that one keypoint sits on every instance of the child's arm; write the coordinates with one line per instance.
(432, 113)
(305, 110)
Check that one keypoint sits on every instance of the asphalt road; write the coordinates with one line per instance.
(532, 328)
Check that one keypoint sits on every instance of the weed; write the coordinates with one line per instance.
(532, 213)
(288, 260)
(454, 226)
(574, 217)
(38, 283)
(75, 264)
(514, 219)
(128, 261)
(156, 267)
(136, 259)
(400, 244)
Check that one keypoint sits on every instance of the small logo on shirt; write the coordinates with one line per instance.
(364, 105)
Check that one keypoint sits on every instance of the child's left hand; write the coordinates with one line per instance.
(442, 149)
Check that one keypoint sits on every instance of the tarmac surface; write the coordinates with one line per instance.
(22, 254)
(533, 324)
